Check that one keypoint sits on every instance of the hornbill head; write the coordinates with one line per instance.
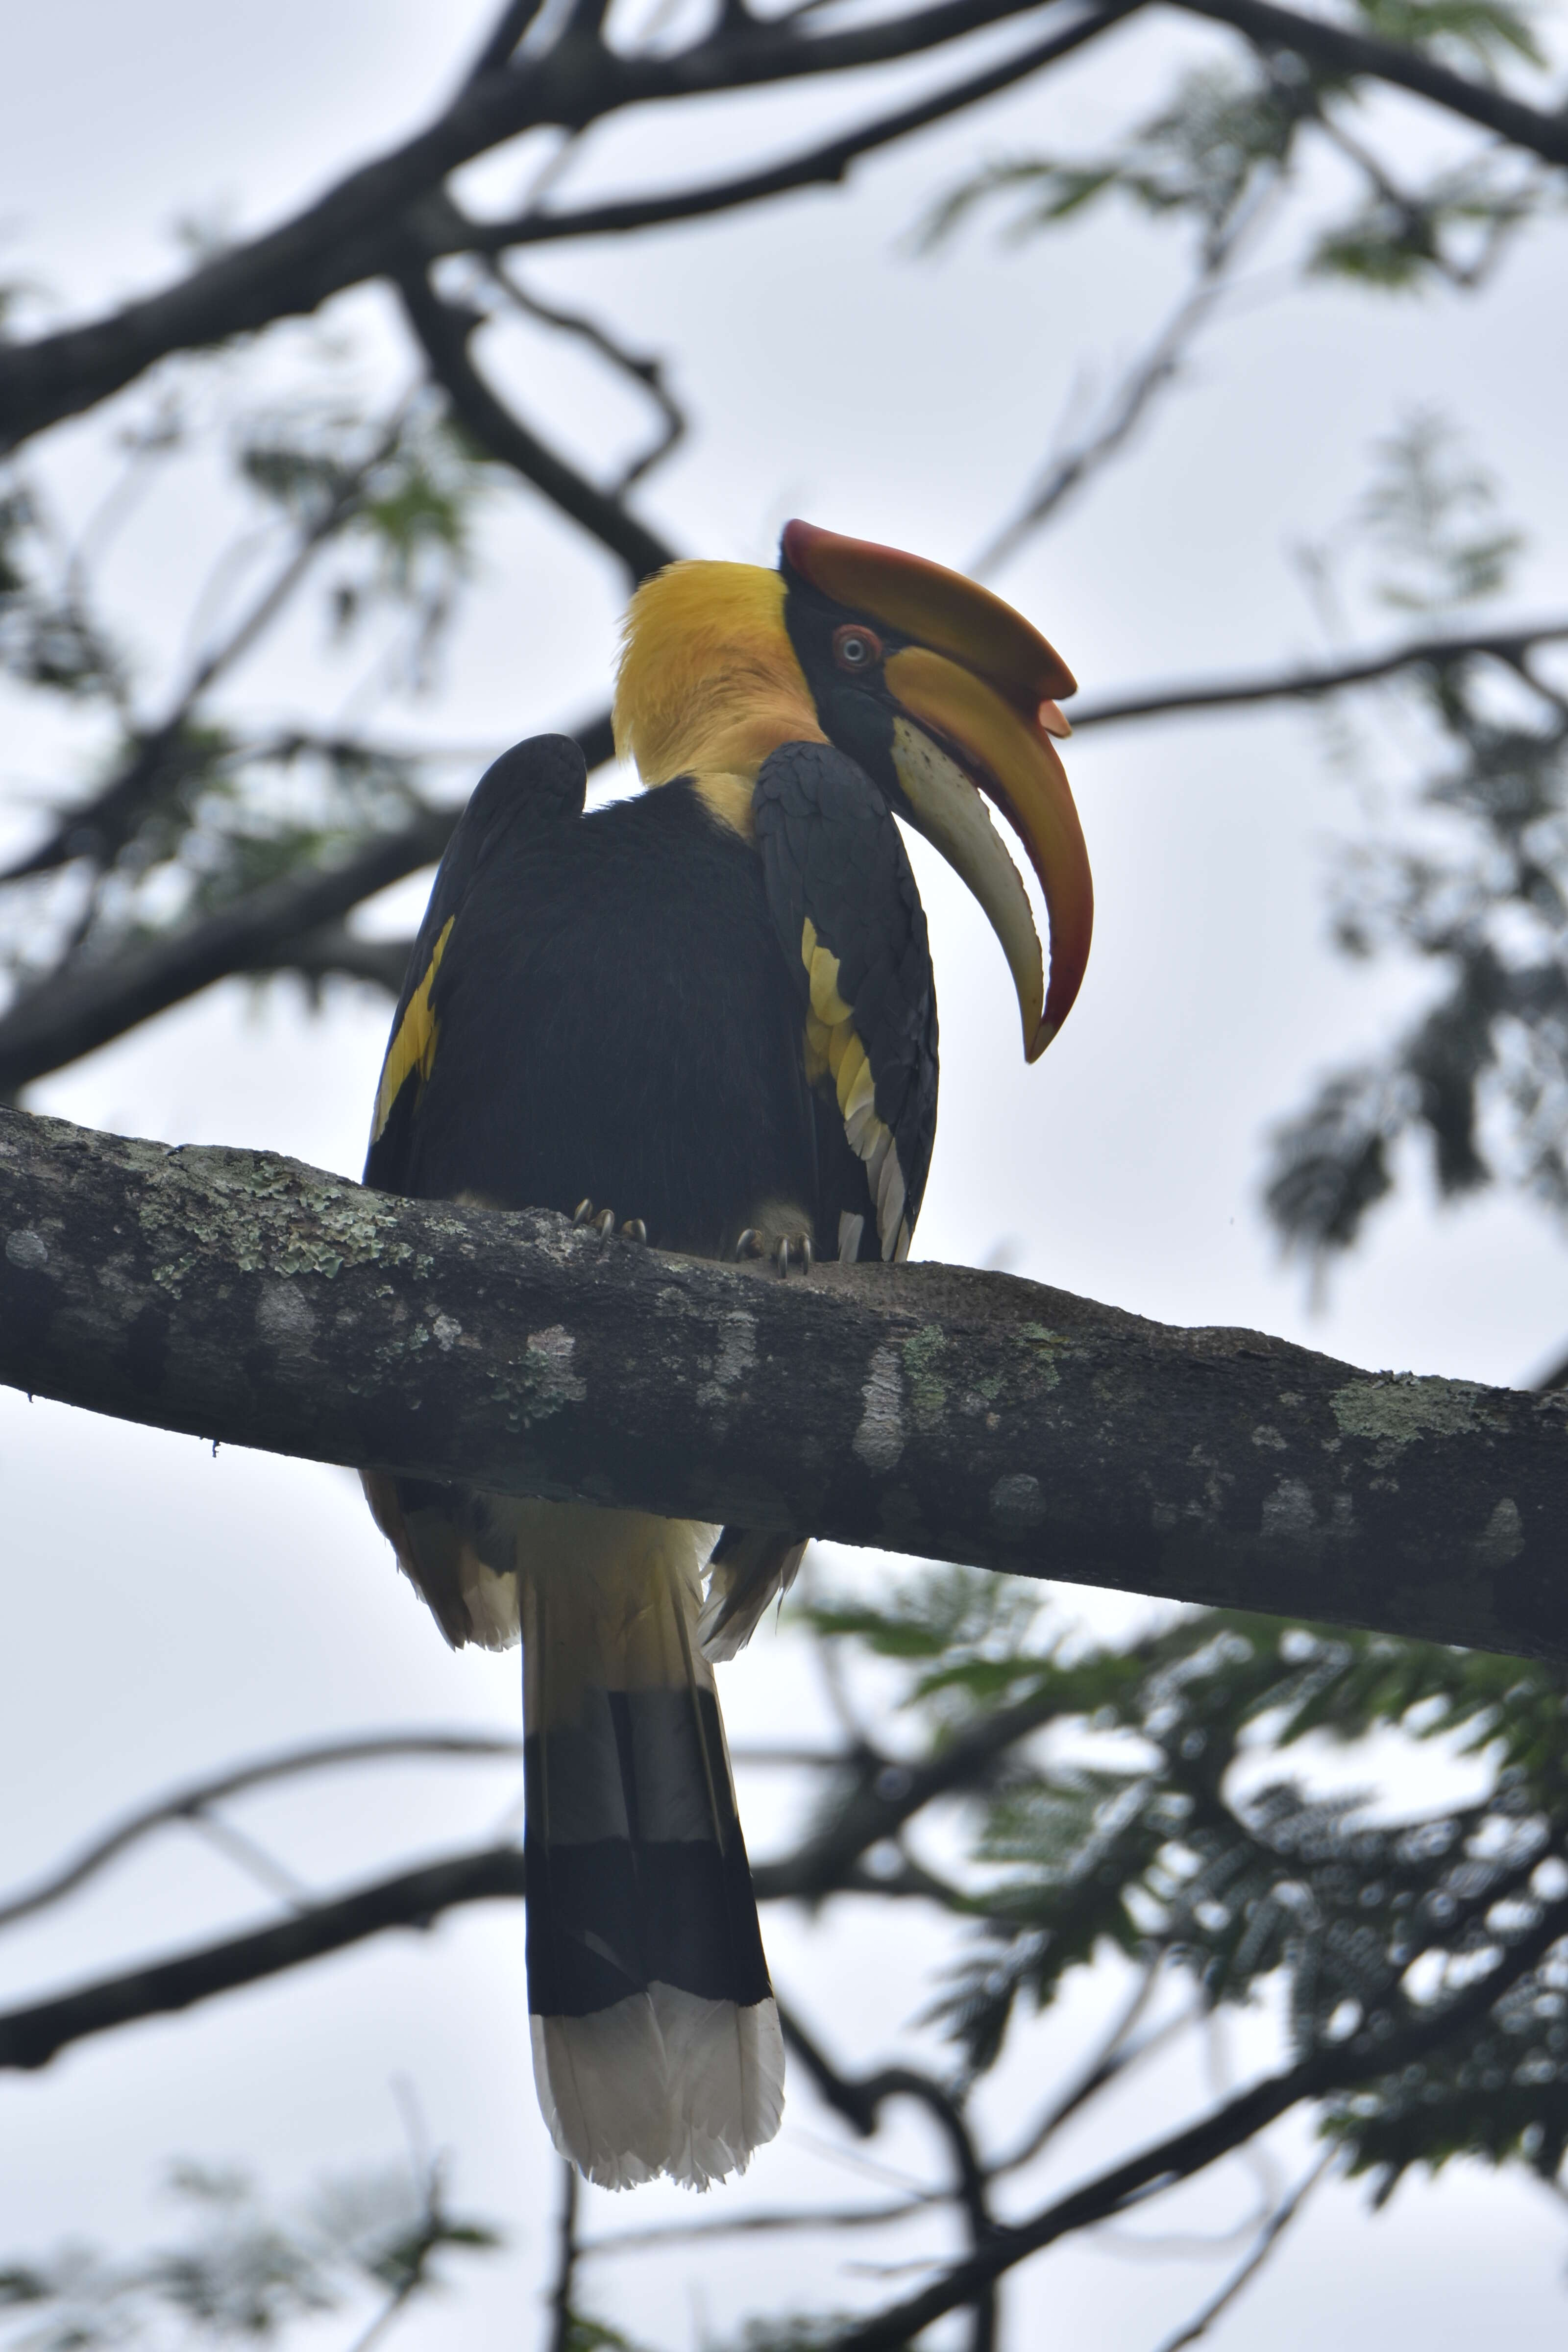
(944, 695)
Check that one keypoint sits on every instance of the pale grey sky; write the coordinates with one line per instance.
(167, 1610)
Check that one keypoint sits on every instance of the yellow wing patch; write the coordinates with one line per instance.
(835, 1056)
(413, 1047)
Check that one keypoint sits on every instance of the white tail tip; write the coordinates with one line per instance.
(664, 2081)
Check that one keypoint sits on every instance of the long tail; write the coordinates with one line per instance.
(656, 2040)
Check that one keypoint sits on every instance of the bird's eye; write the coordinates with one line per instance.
(855, 647)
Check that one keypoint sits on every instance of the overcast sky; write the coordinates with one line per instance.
(168, 1611)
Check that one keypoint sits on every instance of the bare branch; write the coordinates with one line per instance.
(187, 1803)
(30, 2037)
(250, 1302)
(561, 2314)
(503, 39)
(444, 331)
(1511, 645)
(1268, 2238)
(827, 165)
(647, 373)
(1110, 2063)
(745, 2225)
(860, 2099)
(1155, 372)
(334, 952)
(360, 228)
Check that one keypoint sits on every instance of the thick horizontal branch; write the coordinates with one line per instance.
(926, 1409)
(1309, 680)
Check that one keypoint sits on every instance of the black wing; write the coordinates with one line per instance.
(598, 1009)
(849, 919)
(533, 786)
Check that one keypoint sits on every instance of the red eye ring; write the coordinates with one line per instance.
(856, 647)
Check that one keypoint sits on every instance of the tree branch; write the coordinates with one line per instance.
(186, 1804)
(90, 1003)
(360, 227)
(823, 167)
(860, 2099)
(444, 331)
(1363, 2059)
(291, 924)
(1510, 646)
(923, 1409)
(1336, 49)
(30, 2037)
(1268, 2238)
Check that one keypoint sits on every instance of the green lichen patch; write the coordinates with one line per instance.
(928, 1394)
(1396, 1412)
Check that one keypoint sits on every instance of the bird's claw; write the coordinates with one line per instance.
(602, 1222)
(784, 1250)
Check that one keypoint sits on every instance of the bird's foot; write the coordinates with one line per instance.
(784, 1250)
(602, 1222)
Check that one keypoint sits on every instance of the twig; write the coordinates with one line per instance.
(1110, 2063)
(827, 165)
(187, 1803)
(867, 2217)
(859, 2098)
(1150, 375)
(444, 330)
(1268, 2238)
(645, 371)
(501, 40)
(566, 2251)
(251, 1857)
(1510, 646)
(100, 826)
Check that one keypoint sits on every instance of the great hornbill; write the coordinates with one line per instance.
(706, 1014)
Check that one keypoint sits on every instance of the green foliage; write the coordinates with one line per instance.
(1198, 158)
(400, 506)
(1228, 136)
(1466, 32)
(181, 816)
(1472, 882)
(1155, 1815)
(244, 2273)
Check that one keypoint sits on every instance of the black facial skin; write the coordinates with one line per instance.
(855, 706)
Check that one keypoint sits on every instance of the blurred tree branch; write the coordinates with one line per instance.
(945, 1412)
(1160, 1853)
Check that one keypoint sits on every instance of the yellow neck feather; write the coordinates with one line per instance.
(709, 682)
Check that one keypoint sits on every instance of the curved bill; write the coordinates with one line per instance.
(977, 708)
(959, 736)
